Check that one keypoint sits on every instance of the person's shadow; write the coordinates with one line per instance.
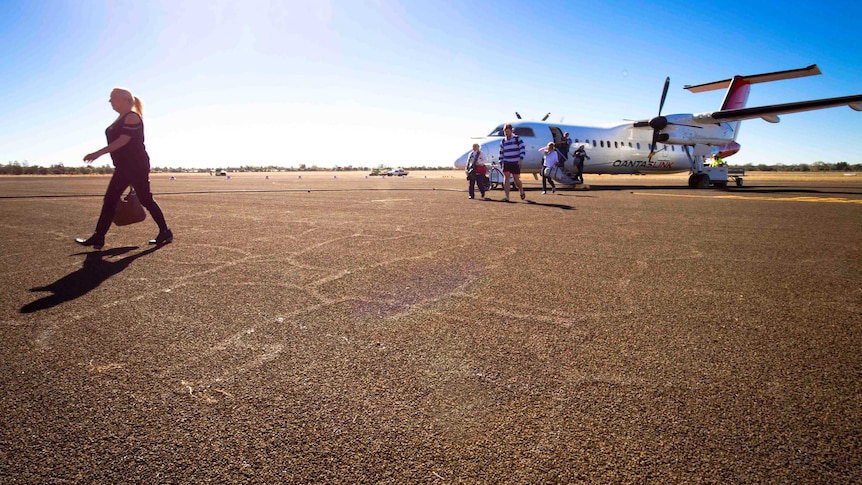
(93, 272)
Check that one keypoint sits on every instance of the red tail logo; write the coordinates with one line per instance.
(737, 94)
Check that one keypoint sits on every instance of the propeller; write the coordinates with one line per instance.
(518, 115)
(546, 117)
(659, 122)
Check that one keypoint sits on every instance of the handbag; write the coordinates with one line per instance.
(471, 167)
(129, 210)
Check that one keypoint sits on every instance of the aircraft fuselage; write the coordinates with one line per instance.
(684, 142)
(614, 150)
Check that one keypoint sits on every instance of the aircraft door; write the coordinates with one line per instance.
(559, 141)
(556, 134)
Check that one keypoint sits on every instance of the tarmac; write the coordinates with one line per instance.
(337, 328)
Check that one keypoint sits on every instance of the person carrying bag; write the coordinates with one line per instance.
(476, 171)
(551, 163)
(129, 210)
(125, 137)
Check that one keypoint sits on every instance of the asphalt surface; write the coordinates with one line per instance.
(342, 329)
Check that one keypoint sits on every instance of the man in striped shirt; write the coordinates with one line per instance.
(512, 152)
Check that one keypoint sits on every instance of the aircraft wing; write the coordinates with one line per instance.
(770, 113)
(811, 70)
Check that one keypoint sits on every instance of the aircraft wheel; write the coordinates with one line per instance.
(692, 181)
(703, 181)
(739, 182)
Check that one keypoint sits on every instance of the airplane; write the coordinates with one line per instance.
(663, 144)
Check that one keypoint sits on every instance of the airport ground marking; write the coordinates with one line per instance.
(836, 200)
(390, 200)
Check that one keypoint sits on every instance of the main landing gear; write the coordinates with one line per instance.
(703, 176)
(698, 181)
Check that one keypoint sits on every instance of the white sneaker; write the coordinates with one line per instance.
(543, 192)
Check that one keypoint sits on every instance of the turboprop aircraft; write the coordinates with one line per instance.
(663, 144)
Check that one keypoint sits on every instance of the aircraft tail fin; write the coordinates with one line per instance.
(737, 93)
(739, 87)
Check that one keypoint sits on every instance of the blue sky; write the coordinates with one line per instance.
(229, 83)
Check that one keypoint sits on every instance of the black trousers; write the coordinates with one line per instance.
(579, 169)
(478, 179)
(139, 179)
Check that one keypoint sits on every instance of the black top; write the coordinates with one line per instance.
(133, 153)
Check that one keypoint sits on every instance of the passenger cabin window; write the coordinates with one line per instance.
(615, 145)
(639, 145)
(602, 142)
(594, 143)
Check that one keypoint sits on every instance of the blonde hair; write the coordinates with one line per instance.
(137, 104)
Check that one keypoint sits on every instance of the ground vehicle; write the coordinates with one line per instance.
(399, 172)
(389, 172)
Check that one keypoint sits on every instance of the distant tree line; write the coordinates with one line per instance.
(23, 168)
(803, 167)
(17, 168)
(301, 168)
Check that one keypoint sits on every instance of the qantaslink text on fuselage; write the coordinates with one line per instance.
(642, 164)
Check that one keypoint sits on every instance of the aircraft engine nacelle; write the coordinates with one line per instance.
(680, 133)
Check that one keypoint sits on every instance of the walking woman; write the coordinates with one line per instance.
(131, 167)
(552, 161)
(476, 171)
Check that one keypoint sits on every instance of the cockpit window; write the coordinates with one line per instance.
(519, 130)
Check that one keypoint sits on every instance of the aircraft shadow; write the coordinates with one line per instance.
(749, 189)
(93, 272)
(783, 189)
(598, 188)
